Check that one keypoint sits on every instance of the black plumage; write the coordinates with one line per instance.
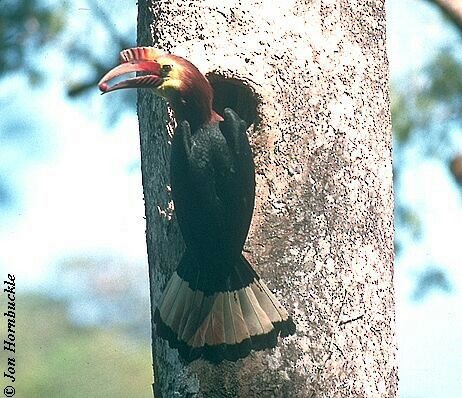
(213, 188)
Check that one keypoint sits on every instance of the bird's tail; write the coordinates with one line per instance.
(219, 317)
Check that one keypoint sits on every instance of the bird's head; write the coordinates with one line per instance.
(169, 76)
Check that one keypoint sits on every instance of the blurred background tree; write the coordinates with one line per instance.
(27, 26)
(426, 118)
(57, 358)
(41, 41)
(85, 331)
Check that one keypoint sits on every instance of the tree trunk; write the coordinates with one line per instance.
(313, 78)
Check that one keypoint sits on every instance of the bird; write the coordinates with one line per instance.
(215, 306)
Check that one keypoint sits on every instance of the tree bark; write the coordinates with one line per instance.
(313, 79)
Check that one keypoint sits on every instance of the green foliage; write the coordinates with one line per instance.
(26, 26)
(426, 117)
(33, 32)
(445, 84)
(402, 123)
(426, 105)
(57, 359)
(430, 279)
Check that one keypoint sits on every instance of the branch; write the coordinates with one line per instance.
(109, 24)
(452, 9)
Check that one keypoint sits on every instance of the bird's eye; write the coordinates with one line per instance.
(165, 69)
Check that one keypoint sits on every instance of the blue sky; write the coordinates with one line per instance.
(79, 193)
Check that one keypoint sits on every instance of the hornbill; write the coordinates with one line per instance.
(214, 306)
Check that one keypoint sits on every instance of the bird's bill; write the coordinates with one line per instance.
(150, 79)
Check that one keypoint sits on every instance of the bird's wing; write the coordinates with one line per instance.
(219, 172)
(234, 129)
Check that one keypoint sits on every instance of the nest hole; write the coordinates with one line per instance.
(237, 95)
